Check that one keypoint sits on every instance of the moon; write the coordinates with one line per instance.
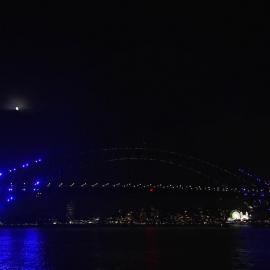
(16, 104)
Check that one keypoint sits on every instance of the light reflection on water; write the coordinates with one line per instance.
(252, 248)
(21, 249)
(134, 248)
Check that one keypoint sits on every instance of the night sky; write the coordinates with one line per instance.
(190, 79)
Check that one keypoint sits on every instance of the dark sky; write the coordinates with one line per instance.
(194, 79)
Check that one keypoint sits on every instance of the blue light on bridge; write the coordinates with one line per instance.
(10, 199)
(36, 183)
(25, 165)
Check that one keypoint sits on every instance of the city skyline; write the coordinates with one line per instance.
(134, 136)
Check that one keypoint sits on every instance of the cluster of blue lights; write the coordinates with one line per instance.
(254, 177)
(10, 199)
(23, 166)
(36, 186)
(11, 188)
(263, 186)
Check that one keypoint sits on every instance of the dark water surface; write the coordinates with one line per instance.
(135, 248)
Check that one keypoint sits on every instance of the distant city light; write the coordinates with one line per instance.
(1, 174)
(17, 108)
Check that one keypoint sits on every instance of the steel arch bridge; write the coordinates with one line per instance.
(52, 182)
(186, 169)
(94, 169)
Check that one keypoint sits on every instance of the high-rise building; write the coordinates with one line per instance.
(70, 210)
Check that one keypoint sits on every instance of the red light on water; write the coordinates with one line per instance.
(152, 190)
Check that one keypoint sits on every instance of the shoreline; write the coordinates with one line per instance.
(90, 226)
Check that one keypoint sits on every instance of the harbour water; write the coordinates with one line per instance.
(150, 248)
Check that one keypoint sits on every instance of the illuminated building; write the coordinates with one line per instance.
(70, 209)
(237, 216)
